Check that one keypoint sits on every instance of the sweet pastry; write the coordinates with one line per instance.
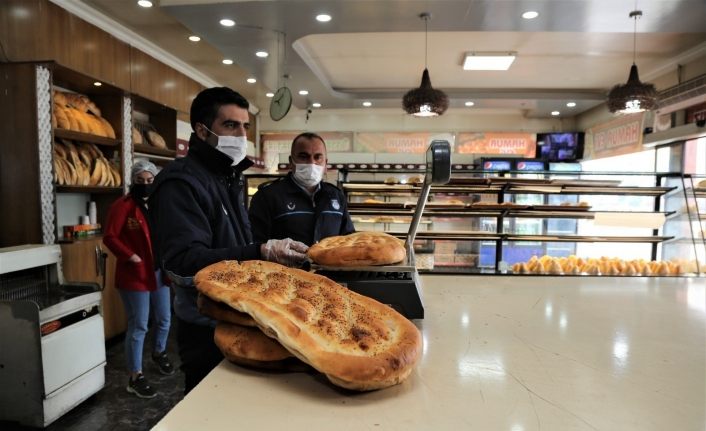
(358, 249)
(357, 342)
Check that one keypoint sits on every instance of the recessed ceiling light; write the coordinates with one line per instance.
(225, 22)
(303, 92)
(571, 104)
(367, 104)
(251, 80)
(555, 113)
(227, 61)
(316, 105)
(488, 60)
(262, 54)
(469, 103)
(530, 14)
(270, 94)
(97, 83)
(194, 38)
(145, 3)
(323, 17)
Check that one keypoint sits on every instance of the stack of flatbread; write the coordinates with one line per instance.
(358, 249)
(83, 164)
(357, 342)
(77, 112)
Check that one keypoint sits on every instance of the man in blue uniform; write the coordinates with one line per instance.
(199, 218)
(301, 206)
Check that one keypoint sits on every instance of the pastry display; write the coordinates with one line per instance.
(416, 180)
(602, 266)
(358, 249)
(357, 342)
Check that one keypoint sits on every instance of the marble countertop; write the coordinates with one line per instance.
(502, 353)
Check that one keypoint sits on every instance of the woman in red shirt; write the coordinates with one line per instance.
(127, 235)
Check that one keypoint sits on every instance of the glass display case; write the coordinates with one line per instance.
(490, 221)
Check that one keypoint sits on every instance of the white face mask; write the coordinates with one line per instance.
(308, 175)
(234, 147)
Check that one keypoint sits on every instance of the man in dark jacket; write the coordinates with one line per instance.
(199, 218)
(301, 206)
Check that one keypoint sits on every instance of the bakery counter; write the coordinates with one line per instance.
(502, 353)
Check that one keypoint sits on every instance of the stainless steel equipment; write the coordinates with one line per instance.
(398, 285)
(53, 350)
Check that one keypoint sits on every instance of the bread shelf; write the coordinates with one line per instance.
(88, 189)
(86, 137)
(153, 151)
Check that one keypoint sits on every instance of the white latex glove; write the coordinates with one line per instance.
(285, 251)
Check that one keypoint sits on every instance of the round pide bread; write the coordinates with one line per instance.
(358, 249)
(356, 341)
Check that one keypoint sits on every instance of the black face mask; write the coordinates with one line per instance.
(140, 191)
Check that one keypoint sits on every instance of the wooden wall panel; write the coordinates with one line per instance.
(19, 157)
(38, 30)
(156, 81)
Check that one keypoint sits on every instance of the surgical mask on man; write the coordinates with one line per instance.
(308, 175)
(234, 147)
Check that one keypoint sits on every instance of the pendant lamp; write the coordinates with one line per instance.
(425, 101)
(633, 96)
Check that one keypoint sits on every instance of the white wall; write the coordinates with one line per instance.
(395, 120)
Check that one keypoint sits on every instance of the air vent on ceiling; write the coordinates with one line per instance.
(692, 92)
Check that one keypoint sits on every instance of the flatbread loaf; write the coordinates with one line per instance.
(247, 345)
(357, 342)
(222, 312)
(358, 249)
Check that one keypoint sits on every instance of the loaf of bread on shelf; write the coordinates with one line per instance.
(62, 121)
(156, 140)
(107, 128)
(136, 136)
(391, 180)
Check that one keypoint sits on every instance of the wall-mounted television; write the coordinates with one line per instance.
(560, 147)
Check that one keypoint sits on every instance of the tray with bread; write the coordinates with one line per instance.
(83, 164)
(146, 139)
(75, 116)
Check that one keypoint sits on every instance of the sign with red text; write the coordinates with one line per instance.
(622, 135)
(415, 143)
(509, 144)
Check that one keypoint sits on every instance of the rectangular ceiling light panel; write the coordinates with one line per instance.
(488, 60)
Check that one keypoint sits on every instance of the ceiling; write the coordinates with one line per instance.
(374, 50)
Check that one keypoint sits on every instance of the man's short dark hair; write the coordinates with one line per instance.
(205, 106)
(307, 135)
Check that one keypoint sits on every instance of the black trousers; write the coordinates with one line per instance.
(197, 351)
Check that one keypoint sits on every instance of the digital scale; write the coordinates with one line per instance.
(398, 285)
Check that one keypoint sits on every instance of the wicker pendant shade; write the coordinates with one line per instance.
(634, 95)
(425, 101)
